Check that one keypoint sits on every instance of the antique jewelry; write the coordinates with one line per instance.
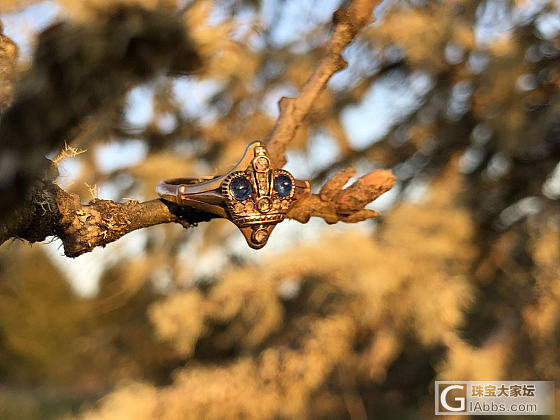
(253, 195)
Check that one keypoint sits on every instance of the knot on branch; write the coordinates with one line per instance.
(334, 203)
(83, 227)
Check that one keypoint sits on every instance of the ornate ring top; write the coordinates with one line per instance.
(253, 195)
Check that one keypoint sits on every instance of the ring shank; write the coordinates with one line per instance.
(199, 192)
(169, 189)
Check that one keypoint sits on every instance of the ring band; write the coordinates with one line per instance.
(253, 195)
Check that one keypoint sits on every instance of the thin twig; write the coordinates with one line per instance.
(348, 22)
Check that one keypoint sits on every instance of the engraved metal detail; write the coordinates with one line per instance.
(264, 205)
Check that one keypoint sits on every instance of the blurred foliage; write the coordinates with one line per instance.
(458, 281)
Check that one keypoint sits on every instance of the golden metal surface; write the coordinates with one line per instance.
(255, 215)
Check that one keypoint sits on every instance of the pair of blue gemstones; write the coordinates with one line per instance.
(241, 189)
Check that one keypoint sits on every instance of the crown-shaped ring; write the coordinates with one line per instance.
(253, 195)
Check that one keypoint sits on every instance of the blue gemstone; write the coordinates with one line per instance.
(240, 188)
(283, 185)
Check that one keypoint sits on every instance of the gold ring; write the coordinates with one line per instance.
(253, 195)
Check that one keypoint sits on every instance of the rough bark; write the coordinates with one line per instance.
(81, 227)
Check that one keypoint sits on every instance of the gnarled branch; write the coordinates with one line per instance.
(47, 210)
(52, 211)
(337, 204)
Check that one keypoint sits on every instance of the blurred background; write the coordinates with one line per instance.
(459, 280)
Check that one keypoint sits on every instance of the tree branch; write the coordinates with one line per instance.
(337, 204)
(333, 203)
(347, 23)
(46, 210)
(51, 211)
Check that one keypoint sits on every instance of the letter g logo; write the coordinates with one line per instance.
(444, 400)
